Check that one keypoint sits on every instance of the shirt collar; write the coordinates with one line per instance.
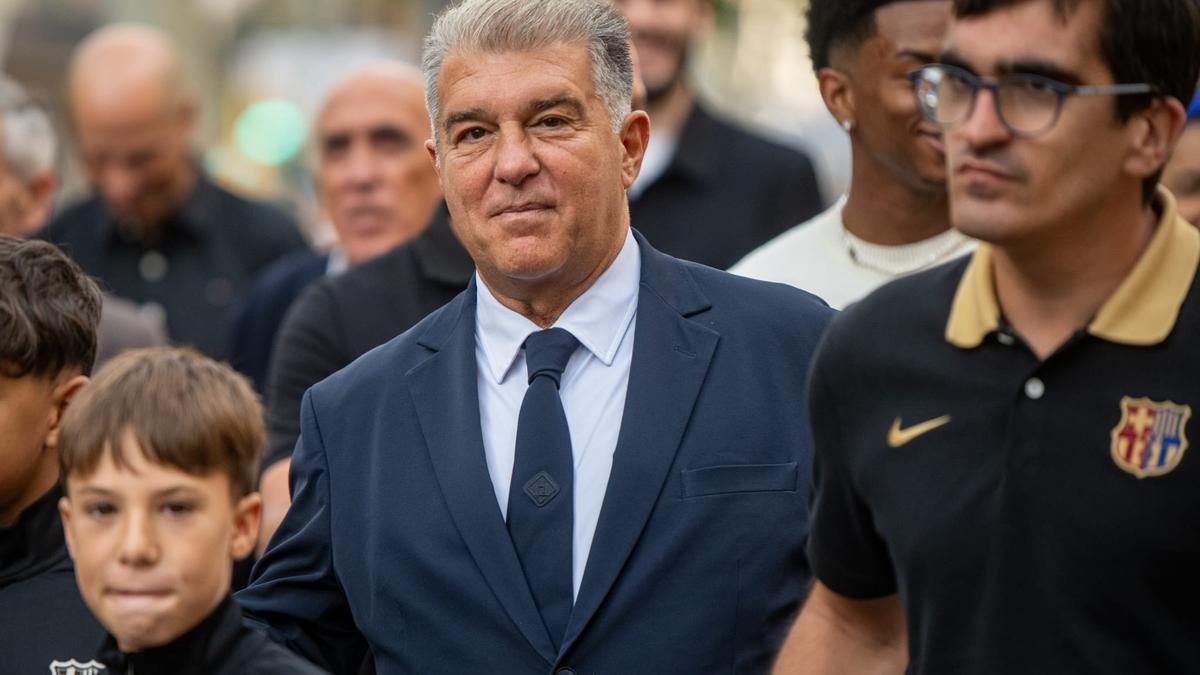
(204, 648)
(33, 544)
(1141, 312)
(191, 217)
(590, 318)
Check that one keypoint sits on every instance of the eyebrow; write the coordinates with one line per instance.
(460, 116)
(925, 57)
(1031, 66)
(178, 490)
(99, 491)
(540, 105)
(565, 100)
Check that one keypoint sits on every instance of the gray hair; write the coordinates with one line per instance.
(27, 140)
(526, 25)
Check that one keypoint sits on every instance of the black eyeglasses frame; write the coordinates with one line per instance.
(1061, 89)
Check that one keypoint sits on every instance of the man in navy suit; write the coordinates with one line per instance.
(595, 459)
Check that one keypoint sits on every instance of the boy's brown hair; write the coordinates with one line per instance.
(49, 310)
(184, 410)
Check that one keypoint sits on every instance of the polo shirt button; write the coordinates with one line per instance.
(153, 266)
(1005, 339)
(1034, 388)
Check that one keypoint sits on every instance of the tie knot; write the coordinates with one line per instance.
(547, 353)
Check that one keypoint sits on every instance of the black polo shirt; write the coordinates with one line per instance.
(204, 255)
(1034, 516)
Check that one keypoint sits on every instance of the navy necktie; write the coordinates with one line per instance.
(541, 496)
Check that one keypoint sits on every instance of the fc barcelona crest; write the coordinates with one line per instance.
(1150, 439)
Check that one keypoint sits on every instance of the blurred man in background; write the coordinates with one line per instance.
(708, 192)
(895, 219)
(1182, 175)
(380, 190)
(28, 150)
(157, 231)
(376, 186)
(28, 182)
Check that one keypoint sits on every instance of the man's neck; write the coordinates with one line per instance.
(881, 210)
(39, 484)
(669, 112)
(543, 302)
(1050, 288)
(183, 186)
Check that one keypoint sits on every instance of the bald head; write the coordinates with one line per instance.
(381, 76)
(133, 119)
(122, 62)
(375, 179)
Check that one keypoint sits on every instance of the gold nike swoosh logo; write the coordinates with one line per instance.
(897, 437)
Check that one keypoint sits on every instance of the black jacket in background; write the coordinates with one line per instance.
(259, 315)
(204, 257)
(221, 644)
(725, 193)
(42, 616)
(341, 318)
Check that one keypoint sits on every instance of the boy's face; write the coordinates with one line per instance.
(30, 409)
(153, 545)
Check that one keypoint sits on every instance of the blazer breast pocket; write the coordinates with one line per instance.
(739, 478)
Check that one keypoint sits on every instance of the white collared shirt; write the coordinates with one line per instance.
(593, 386)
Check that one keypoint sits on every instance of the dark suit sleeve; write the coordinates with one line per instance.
(307, 351)
(845, 551)
(294, 593)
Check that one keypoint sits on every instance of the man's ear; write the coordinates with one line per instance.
(1152, 135)
(41, 193)
(635, 134)
(186, 114)
(705, 18)
(64, 512)
(431, 148)
(837, 94)
(247, 516)
(63, 393)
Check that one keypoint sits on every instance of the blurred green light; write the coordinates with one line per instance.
(270, 131)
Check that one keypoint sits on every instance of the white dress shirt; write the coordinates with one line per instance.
(593, 386)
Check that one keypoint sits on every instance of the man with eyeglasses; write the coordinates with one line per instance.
(1002, 482)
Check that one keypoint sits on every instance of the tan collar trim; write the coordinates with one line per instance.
(1141, 312)
(975, 312)
(1144, 308)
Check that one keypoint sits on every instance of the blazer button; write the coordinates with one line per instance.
(564, 671)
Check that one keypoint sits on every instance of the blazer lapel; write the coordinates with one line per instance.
(447, 403)
(671, 356)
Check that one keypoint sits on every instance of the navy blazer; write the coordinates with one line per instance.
(395, 540)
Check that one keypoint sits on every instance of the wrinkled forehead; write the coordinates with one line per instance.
(493, 79)
(371, 111)
(1032, 36)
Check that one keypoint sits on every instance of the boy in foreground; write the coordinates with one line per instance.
(49, 310)
(158, 456)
